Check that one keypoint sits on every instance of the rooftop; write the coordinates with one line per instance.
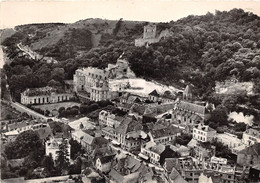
(106, 159)
(154, 93)
(158, 148)
(204, 128)
(192, 107)
(167, 131)
(253, 132)
(41, 91)
(253, 150)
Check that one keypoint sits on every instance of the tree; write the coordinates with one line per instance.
(25, 143)
(62, 162)
(76, 148)
(218, 117)
(48, 164)
(184, 139)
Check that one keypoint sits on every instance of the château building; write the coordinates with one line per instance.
(44, 95)
(93, 83)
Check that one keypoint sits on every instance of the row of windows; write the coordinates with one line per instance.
(199, 132)
(165, 139)
(200, 138)
(96, 76)
(252, 138)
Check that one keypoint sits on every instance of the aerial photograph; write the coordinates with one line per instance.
(130, 91)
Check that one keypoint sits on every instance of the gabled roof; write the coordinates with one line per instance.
(13, 126)
(253, 150)
(171, 130)
(154, 93)
(176, 177)
(107, 159)
(84, 136)
(45, 132)
(116, 175)
(171, 163)
(158, 148)
(253, 132)
(128, 124)
(204, 128)
(140, 109)
(192, 107)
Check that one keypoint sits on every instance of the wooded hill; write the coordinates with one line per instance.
(201, 50)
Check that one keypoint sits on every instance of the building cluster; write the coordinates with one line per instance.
(93, 83)
(13, 130)
(141, 143)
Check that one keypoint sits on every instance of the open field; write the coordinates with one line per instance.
(51, 107)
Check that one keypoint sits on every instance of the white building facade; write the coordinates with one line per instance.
(203, 133)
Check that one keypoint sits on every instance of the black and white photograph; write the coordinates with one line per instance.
(130, 91)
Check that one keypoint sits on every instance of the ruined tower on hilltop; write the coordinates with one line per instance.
(149, 31)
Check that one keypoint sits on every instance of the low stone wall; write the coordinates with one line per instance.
(21, 108)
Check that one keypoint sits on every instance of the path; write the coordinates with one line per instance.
(28, 51)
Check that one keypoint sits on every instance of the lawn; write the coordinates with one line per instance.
(50, 107)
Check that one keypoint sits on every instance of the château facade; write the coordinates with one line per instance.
(94, 82)
(43, 95)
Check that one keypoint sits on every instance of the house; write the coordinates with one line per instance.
(130, 98)
(52, 147)
(103, 164)
(170, 165)
(164, 135)
(82, 123)
(203, 151)
(203, 133)
(235, 150)
(109, 119)
(109, 133)
(127, 134)
(89, 142)
(125, 170)
(156, 153)
(183, 151)
(44, 95)
(42, 129)
(190, 170)
(229, 139)
(175, 176)
(249, 156)
(154, 96)
(251, 136)
(204, 179)
(188, 114)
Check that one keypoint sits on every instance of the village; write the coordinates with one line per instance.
(138, 131)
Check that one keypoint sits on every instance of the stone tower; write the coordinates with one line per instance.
(149, 31)
(187, 94)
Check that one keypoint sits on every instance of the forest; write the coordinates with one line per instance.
(202, 50)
